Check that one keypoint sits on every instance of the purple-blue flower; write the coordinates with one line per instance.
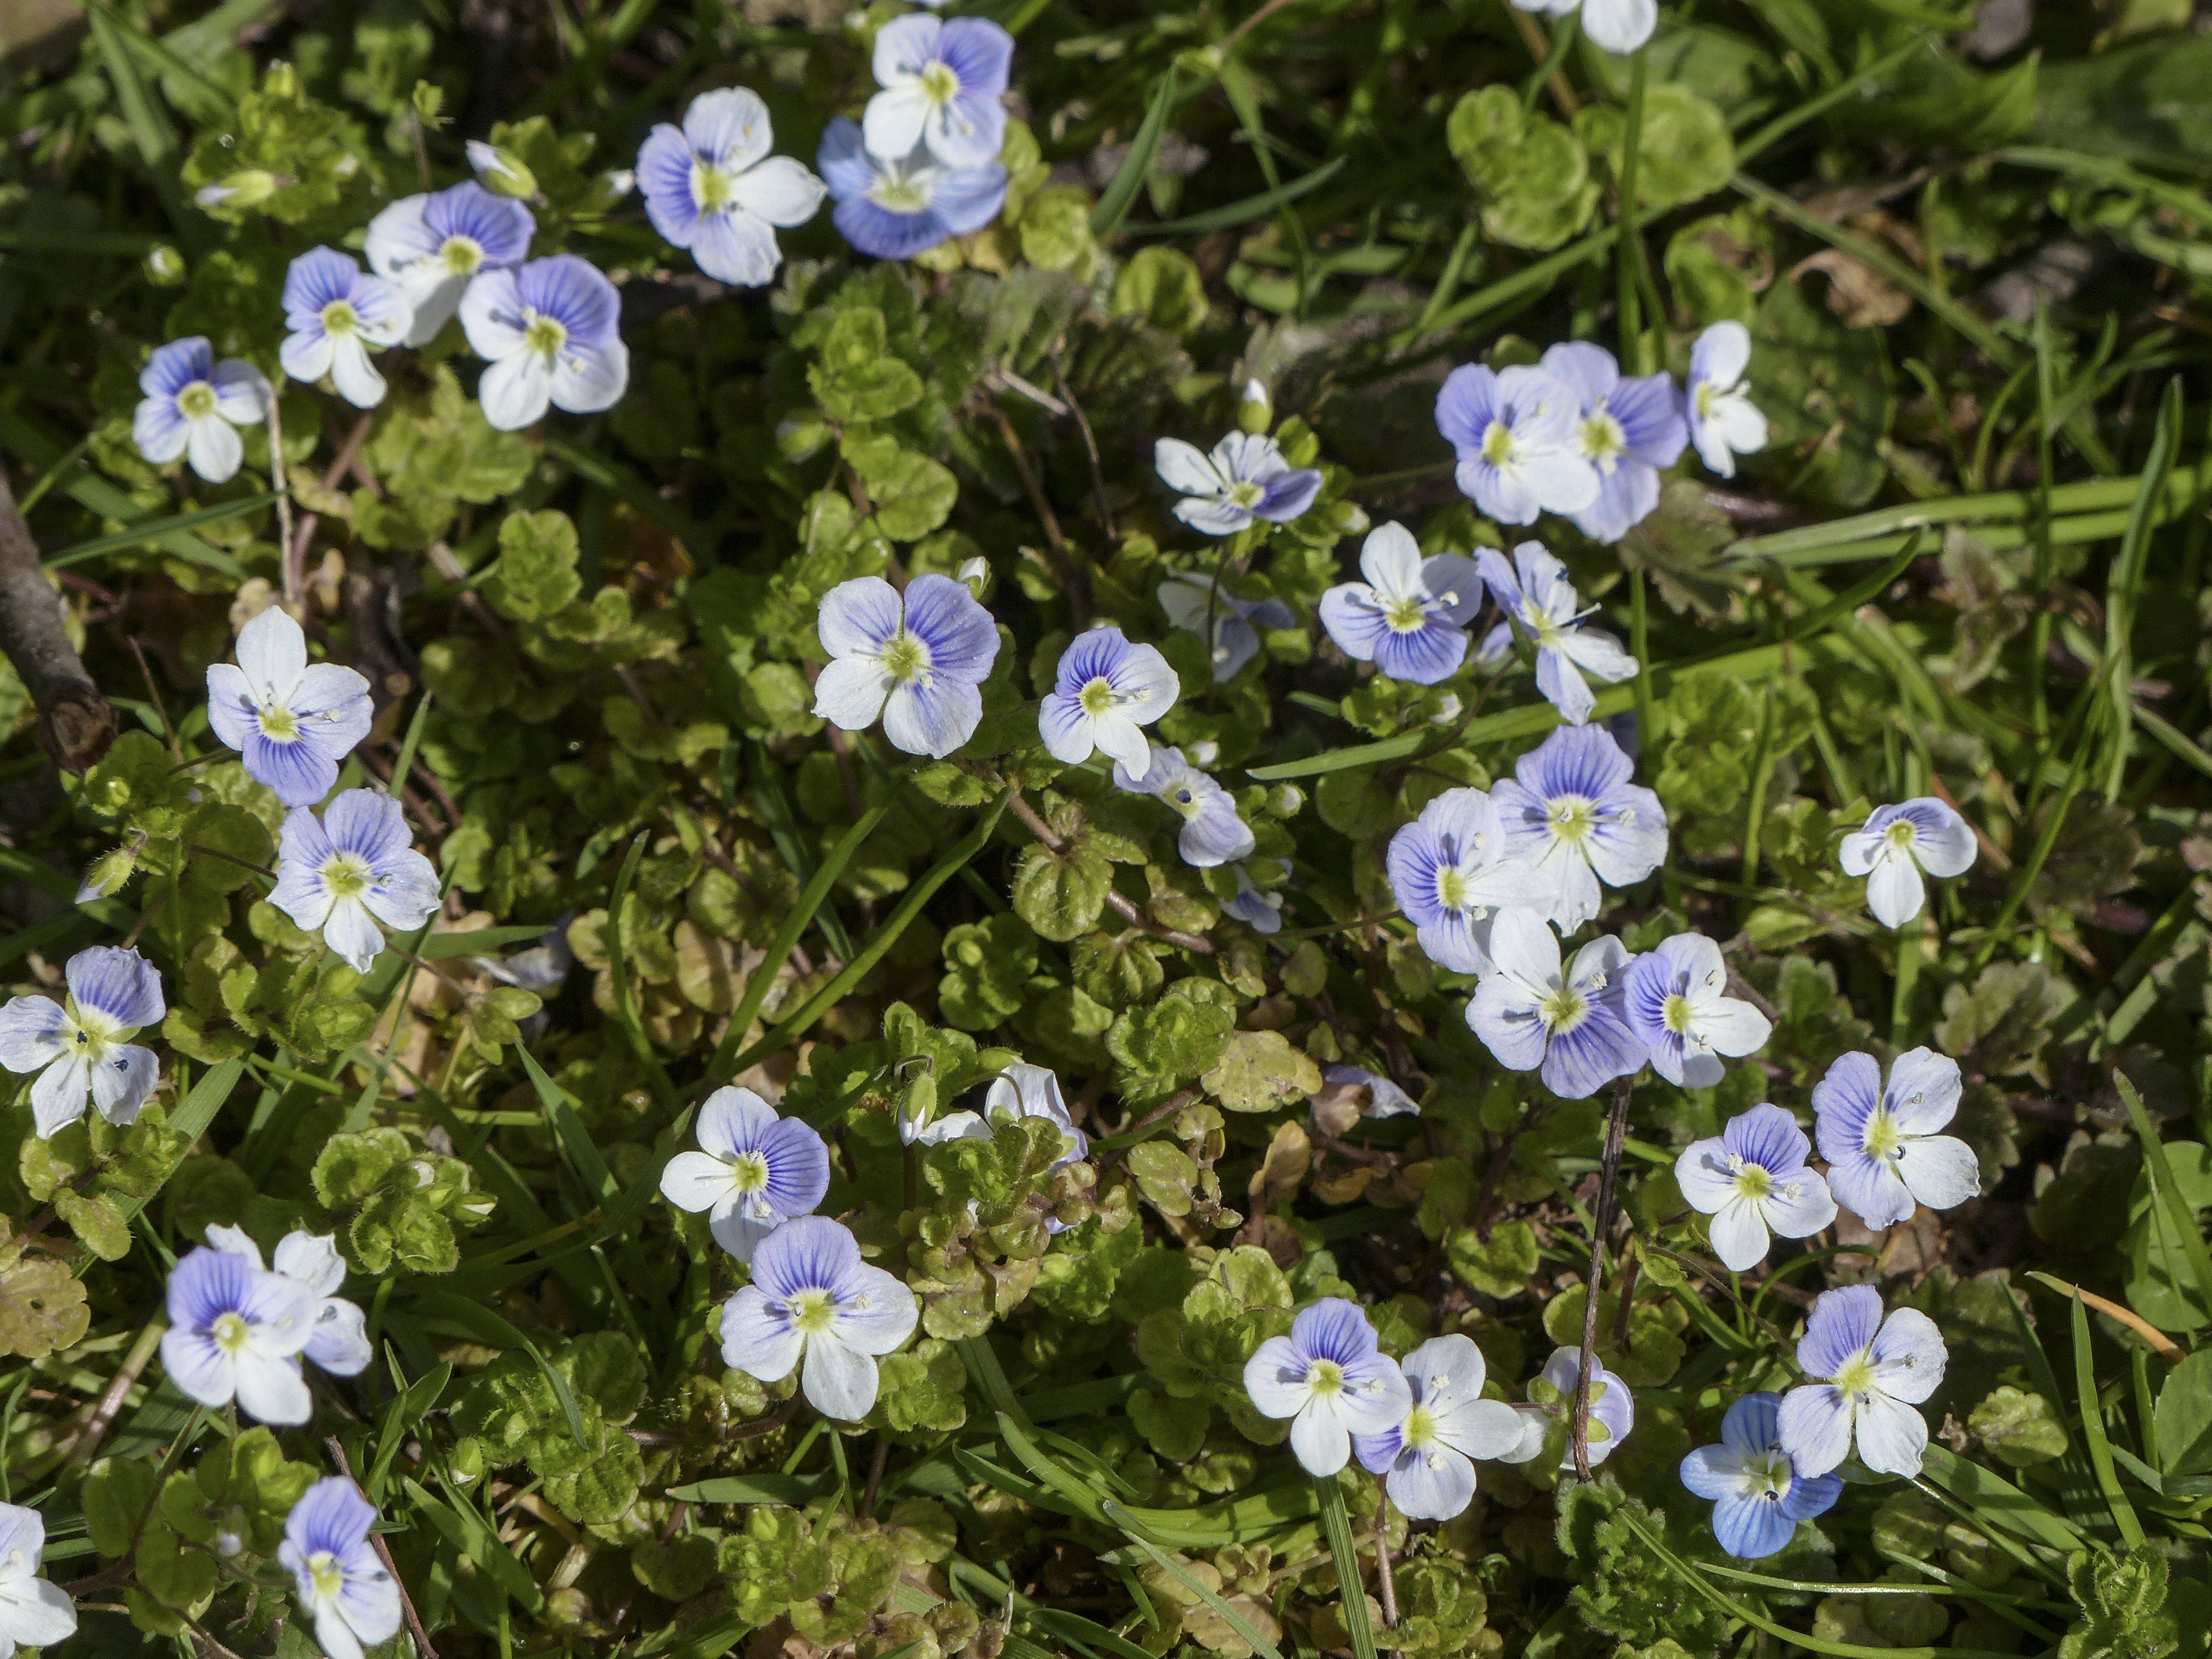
(916, 661)
(1259, 908)
(340, 1578)
(1191, 602)
(712, 187)
(813, 1297)
(551, 331)
(1104, 690)
(1540, 602)
(292, 722)
(1758, 1493)
(1514, 433)
(1530, 1012)
(1885, 1157)
(753, 1170)
(1612, 1409)
(1244, 478)
(942, 83)
(1677, 1003)
(236, 1333)
(432, 245)
(1869, 1376)
(340, 874)
(1723, 421)
(1752, 1178)
(1895, 844)
(1409, 617)
(1572, 820)
(1213, 833)
(1330, 1376)
(193, 406)
(1427, 1458)
(1443, 869)
(82, 1048)
(1628, 430)
(894, 209)
(340, 1342)
(334, 311)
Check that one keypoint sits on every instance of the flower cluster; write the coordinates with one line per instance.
(238, 1330)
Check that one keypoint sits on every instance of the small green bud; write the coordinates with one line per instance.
(238, 190)
(801, 436)
(1255, 411)
(165, 266)
(501, 170)
(108, 873)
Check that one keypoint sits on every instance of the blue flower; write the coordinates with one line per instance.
(1530, 1013)
(292, 722)
(1752, 1178)
(236, 1333)
(1538, 600)
(1426, 1459)
(1259, 908)
(941, 86)
(1019, 1092)
(1514, 433)
(1572, 820)
(340, 1342)
(896, 209)
(916, 661)
(753, 1172)
(82, 1048)
(1678, 1004)
(1612, 1409)
(1409, 617)
(1384, 1098)
(342, 874)
(34, 1612)
(1191, 602)
(1869, 1373)
(715, 188)
(193, 405)
(1885, 1157)
(1629, 430)
(1213, 833)
(1245, 478)
(1617, 26)
(432, 246)
(1895, 844)
(1758, 1493)
(1103, 690)
(340, 1578)
(1723, 421)
(335, 312)
(550, 333)
(1330, 1376)
(813, 1297)
(1446, 872)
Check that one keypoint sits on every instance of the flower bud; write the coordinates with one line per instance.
(1254, 412)
(976, 572)
(165, 266)
(247, 188)
(501, 170)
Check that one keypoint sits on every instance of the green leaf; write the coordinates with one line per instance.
(856, 376)
(1261, 1072)
(1060, 893)
(1531, 176)
(2183, 1417)
(912, 494)
(535, 574)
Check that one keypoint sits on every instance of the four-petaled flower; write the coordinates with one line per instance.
(292, 722)
(1540, 602)
(713, 186)
(354, 866)
(34, 1612)
(1213, 833)
(1630, 430)
(1445, 873)
(1723, 421)
(81, 1046)
(1885, 1157)
(1617, 26)
(335, 311)
(1868, 1375)
(194, 405)
(1246, 478)
(1529, 1013)
(1104, 691)
(812, 1296)
(1751, 1179)
(1195, 602)
(1427, 1459)
(1758, 1493)
(915, 660)
(549, 333)
(1678, 1004)
(896, 208)
(340, 1578)
(1514, 433)
(942, 83)
(1572, 820)
(339, 1344)
(433, 246)
(1331, 1377)
(1895, 844)
(1611, 1410)
(753, 1170)
(1409, 617)
(236, 1333)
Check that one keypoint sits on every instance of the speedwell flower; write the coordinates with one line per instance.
(1677, 1003)
(1529, 1013)
(83, 1047)
(896, 209)
(1572, 820)
(1895, 844)
(340, 874)
(1384, 1098)
(812, 1296)
(1426, 1459)
(1630, 430)
(335, 311)
(1514, 433)
(1723, 421)
(193, 406)
(1409, 617)
(915, 660)
(1104, 690)
(433, 245)
(236, 1333)
(713, 186)
(1538, 600)
(1259, 908)
(550, 333)
(293, 722)
(1758, 1493)
(942, 83)
(1244, 478)
(1213, 833)
(339, 1344)
(340, 1578)
(753, 1170)
(34, 1612)
(1193, 602)
(1617, 26)
(1751, 1179)
(1019, 1092)
(1443, 869)
(1885, 1157)
(1869, 1373)
(1331, 1377)
(1612, 1409)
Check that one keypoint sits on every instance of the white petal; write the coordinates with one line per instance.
(696, 1183)
(839, 1381)
(1319, 1438)
(1892, 1437)
(1275, 1378)
(1183, 467)
(271, 1390)
(1941, 1172)
(850, 692)
(1390, 559)
(1739, 1235)
(355, 376)
(213, 448)
(1895, 891)
(516, 390)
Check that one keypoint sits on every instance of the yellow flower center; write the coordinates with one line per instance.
(278, 724)
(1854, 1378)
(1096, 698)
(905, 657)
(461, 255)
(1572, 817)
(1562, 1008)
(1883, 1138)
(899, 195)
(347, 876)
(196, 401)
(1406, 615)
(749, 1172)
(1497, 446)
(1900, 834)
(230, 1332)
(940, 83)
(1325, 1377)
(545, 335)
(1752, 1180)
(324, 1573)
(1676, 1012)
(1420, 1428)
(812, 1311)
(1603, 441)
(340, 318)
(712, 187)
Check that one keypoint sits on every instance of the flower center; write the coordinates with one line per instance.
(1603, 441)
(230, 1332)
(749, 1171)
(1407, 616)
(1498, 446)
(1325, 1378)
(712, 187)
(543, 335)
(346, 876)
(1451, 888)
(196, 401)
(905, 657)
(1769, 1474)
(1900, 834)
(1562, 1008)
(896, 195)
(1854, 1378)
(1883, 1138)
(461, 255)
(1245, 494)
(279, 724)
(939, 83)
(1420, 1428)
(1752, 1180)
(1708, 395)
(340, 318)
(1572, 817)
(1677, 1013)
(328, 1577)
(813, 1311)
(1098, 697)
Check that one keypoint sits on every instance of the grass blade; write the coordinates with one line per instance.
(153, 531)
(1234, 214)
(1175, 1570)
(2176, 1212)
(2126, 582)
(1121, 194)
(2093, 1432)
(1351, 1594)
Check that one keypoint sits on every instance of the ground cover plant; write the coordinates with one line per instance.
(1333, 826)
